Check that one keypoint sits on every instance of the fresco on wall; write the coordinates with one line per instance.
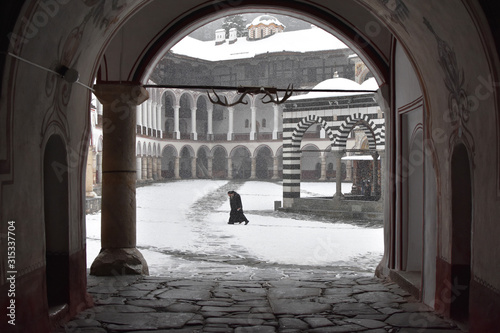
(398, 12)
(458, 101)
(102, 15)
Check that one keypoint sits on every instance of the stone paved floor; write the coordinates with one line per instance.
(269, 300)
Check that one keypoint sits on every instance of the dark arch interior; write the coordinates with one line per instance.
(461, 232)
(56, 210)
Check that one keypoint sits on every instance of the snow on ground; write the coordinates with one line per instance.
(180, 223)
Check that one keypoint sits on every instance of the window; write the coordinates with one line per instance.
(264, 122)
(247, 123)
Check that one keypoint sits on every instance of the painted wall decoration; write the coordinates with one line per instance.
(398, 12)
(458, 101)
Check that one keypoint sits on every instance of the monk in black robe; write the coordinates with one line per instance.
(236, 215)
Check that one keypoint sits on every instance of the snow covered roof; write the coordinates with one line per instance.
(338, 83)
(265, 20)
(307, 40)
(359, 158)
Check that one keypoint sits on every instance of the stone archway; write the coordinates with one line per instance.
(264, 163)
(219, 164)
(202, 163)
(374, 131)
(241, 163)
(168, 161)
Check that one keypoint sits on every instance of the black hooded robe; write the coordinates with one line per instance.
(236, 215)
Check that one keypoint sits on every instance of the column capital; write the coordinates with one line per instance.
(127, 92)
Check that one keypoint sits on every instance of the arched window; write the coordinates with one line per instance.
(247, 123)
(264, 122)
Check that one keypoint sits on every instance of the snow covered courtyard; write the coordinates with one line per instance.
(182, 226)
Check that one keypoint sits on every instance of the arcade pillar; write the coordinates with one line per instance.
(119, 255)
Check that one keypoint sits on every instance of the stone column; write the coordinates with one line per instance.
(176, 168)
(253, 172)
(159, 125)
(229, 168)
(230, 123)
(139, 168)
(275, 167)
(338, 175)
(89, 175)
(99, 168)
(210, 130)
(139, 118)
(144, 108)
(323, 166)
(144, 167)
(276, 109)
(119, 254)
(210, 161)
(253, 123)
(177, 133)
(150, 168)
(153, 116)
(375, 190)
(194, 134)
(348, 170)
(158, 167)
(153, 167)
(149, 105)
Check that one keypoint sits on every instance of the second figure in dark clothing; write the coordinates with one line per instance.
(236, 215)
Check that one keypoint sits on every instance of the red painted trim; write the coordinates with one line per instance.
(484, 308)
(31, 313)
(443, 291)
(413, 105)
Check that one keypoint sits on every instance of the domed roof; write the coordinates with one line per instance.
(338, 83)
(266, 20)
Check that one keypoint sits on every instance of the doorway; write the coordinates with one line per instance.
(461, 200)
(56, 215)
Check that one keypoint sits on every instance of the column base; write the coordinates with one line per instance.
(120, 261)
(338, 197)
(90, 194)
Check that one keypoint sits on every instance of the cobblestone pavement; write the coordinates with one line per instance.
(259, 300)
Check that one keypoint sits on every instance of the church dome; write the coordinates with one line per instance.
(265, 20)
(338, 83)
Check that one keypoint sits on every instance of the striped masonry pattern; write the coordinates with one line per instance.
(337, 129)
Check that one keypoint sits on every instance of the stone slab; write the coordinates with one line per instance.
(287, 306)
(294, 292)
(292, 323)
(255, 329)
(353, 309)
(368, 323)
(186, 294)
(318, 322)
(417, 320)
